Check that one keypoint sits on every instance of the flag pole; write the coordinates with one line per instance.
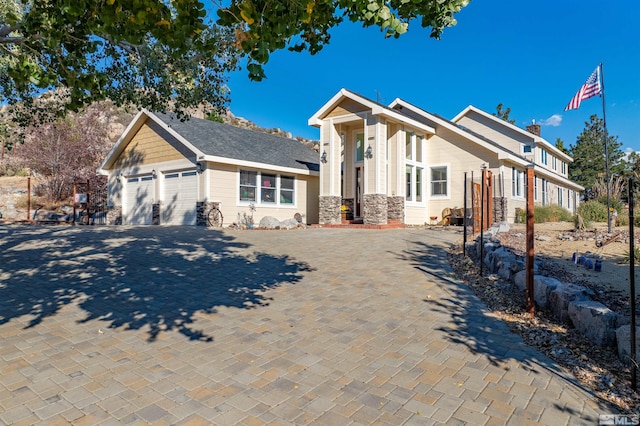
(606, 151)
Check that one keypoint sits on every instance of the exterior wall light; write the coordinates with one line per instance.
(369, 153)
(154, 174)
(199, 167)
(323, 157)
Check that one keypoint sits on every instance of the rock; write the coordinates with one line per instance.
(520, 280)
(594, 320)
(623, 338)
(543, 238)
(289, 223)
(269, 222)
(560, 298)
(542, 288)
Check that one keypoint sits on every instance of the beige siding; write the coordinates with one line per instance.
(370, 165)
(416, 215)
(346, 107)
(147, 146)
(393, 188)
(507, 138)
(224, 183)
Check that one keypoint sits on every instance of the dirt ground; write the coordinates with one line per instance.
(556, 242)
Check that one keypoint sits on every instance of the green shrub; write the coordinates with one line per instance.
(615, 203)
(593, 211)
(551, 213)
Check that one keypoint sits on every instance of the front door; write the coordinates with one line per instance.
(358, 197)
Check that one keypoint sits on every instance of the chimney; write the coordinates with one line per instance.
(533, 128)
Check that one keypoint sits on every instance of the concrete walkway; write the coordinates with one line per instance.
(324, 326)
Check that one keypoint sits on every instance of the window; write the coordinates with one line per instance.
(526, 149)
(560, 196)
(535, 188)
(544, 192)
(418, 184)
(408, 146)
(266, 188)
(409, 173)
(360, 147)
(554, 163)
(439, 181)
(517, 183)
(419, 149)
(564, 168)
(543, 157)
(286, 190)
(414, 170)
(569, 198)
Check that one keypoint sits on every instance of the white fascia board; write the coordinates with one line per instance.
(541, 172)
(120, 144)
(256, 165)
(315, 119)
(501, 153)
(388, 113)
(536, 139)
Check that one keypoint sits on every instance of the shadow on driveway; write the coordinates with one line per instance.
(134, 277)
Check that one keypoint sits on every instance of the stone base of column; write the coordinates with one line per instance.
(375, 209)
(395, 209)
(329, 209)
(114, 215)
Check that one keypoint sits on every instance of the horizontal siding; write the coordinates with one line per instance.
(416, 215)
(346, 107)
(147, 147)
(224, 189)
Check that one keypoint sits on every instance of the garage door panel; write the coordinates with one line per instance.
(139, 200)
(180, 197)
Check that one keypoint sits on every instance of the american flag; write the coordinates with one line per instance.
(589, 89)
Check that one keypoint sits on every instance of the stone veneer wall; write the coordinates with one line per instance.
(499, 209)
(114, 215)
(155, 215)
(330, 209)
(395, 208)
(202, 210)
(375, 209)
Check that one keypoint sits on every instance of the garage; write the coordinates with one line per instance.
(138, 208)
(179, 198)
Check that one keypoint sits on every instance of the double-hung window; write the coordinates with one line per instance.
(544, 157)
(517, 183)
(560, 196)
(414, 169)
(266, 188)
(439, 178)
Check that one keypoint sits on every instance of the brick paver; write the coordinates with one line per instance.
(109, 325)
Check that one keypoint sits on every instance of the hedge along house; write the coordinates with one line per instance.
(399, 163)
(163, 171)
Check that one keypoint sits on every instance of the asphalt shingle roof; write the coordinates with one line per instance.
(224, 140)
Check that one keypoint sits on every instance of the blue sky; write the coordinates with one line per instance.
(531, 56)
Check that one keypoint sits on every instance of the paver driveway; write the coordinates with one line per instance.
(327, 326)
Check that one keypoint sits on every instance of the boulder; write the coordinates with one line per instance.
(542, 288)
(594, 320)
(623, 338)
(520, 279)
(289, 223)
(560, 298)
(269, 222)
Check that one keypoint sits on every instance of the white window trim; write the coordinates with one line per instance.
(258, 202)
(520, 184)
(439, 197)
(415, 165)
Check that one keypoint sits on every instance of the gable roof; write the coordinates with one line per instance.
(537, 139)
(219, 142)
(375, 107)
(487, 143)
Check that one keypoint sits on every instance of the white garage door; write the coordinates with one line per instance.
(138, 200)
(180, 196)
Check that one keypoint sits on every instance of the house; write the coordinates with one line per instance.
(400, 163)
(164, 171)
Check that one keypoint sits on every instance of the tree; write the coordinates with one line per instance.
(264, 26)
(69, 148)
(503, 114)
(588, 154)
(155, 54)
(561, 147)
(166, 54)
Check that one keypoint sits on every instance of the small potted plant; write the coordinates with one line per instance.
(345, 213)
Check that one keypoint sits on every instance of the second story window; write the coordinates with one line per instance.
(564, 168)
(543, 157)
(526, 149)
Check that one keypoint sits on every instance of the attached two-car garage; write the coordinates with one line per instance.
(177, 203)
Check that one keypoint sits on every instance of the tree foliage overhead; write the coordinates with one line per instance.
(264, 26)
(157, 54)
(167, 54)
(589, 155)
